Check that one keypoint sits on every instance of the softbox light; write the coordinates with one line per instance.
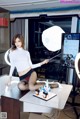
(52, 37)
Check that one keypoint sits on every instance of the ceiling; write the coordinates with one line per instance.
(36, 6)
(27, 5)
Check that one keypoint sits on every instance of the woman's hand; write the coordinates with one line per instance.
(45, 61)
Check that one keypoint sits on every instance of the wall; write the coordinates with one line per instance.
(17, 26)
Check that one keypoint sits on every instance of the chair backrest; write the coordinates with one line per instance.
(77, 65)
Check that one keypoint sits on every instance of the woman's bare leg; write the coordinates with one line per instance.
(31, 85)
(32, 82)
(23, 86)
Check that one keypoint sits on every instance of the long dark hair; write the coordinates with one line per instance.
(14, 40)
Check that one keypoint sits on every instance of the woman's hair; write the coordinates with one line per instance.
(14, 40)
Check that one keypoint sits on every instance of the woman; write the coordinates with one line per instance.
(20, 58)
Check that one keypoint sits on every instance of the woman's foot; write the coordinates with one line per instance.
(54, 85)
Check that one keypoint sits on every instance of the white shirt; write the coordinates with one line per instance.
(20, 59)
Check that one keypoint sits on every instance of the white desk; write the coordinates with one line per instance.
(34, 104)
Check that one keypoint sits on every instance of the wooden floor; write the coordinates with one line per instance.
(67, 113)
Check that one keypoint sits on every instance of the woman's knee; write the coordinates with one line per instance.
(34, 75)
(31, 87)
(22, 86)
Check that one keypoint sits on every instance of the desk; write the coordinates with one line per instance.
(29, 103)
(34, 104)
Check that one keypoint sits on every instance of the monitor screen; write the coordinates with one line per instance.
(70, 44)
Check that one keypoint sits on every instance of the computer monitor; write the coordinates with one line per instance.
(70, 45)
